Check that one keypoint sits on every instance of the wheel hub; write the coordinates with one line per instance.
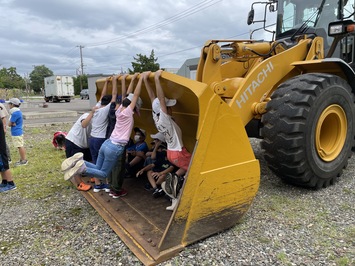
(331, 132)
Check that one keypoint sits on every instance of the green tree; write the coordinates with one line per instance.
(143, 63)
(37, 77)
(10, 79)
(84, 80)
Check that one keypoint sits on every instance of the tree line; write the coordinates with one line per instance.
(10, 79)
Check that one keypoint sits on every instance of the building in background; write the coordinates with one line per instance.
(189, 68)
(171, 70)
(92, 87)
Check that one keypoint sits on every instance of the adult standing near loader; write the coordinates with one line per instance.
(7, 182)
(3, 116)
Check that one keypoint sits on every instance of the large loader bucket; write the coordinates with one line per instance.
(222, 180)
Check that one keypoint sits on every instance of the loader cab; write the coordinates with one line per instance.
(312, 17)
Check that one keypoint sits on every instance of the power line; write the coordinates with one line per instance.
(188, 12)
(172, 53)
(70, 50)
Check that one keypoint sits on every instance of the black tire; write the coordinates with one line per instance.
(308, 130)
(67, 100)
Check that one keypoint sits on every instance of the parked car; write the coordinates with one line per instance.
(84, 94)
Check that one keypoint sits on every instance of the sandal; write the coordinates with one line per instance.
(83, 187)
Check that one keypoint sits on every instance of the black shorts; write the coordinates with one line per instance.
(4, 160)
(71, 149)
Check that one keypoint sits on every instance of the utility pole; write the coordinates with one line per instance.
(26, 84)
(81, 66)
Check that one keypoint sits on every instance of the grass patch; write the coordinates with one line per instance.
(348, 191)
(42, 176)
(344, 261)
(75, 211)
(6, 246)
(282, 257)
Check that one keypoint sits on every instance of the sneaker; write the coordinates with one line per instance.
(178, 181)
(21, 163)
(158, 192)
(115, 195)
(163, 185)
(78, 168)
(3, 185)
(169, 183)
(6, 188)
(71, 161)
(173, 205)
(98, 188)
(83, 187)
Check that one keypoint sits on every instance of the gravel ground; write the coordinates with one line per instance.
(286, 225)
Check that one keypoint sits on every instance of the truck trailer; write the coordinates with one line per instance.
(58, 88)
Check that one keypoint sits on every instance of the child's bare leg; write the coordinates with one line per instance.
(151, 179)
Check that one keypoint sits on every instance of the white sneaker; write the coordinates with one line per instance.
(71, 161)
(163, 186)
(78, 168)
(173, 205)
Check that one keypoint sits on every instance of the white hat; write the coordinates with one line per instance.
(130, 96)
(14, 101)
(142, 131)
(156, 104)
(159, 136)
(139, 102)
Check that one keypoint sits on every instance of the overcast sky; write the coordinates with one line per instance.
(112, 32)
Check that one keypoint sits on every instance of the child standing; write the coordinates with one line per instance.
(16, 124)
(113, 147)
(77, 142)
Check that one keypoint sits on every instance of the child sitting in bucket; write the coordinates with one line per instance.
(159, 165)
(164, 122)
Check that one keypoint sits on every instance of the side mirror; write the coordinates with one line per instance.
(250, 17)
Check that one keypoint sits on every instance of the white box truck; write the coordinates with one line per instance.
(58, 88)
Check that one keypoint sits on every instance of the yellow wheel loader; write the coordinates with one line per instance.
(296, 92)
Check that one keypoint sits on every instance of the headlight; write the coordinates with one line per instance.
(341, 27)
(335, 29)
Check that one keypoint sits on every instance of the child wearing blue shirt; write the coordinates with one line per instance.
(16, 125)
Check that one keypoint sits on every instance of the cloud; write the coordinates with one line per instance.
(42, 32)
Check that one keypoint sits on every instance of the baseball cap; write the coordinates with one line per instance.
(156, 104)
(139, 102)
(14, 101)
(142, 131)
(159, 136)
